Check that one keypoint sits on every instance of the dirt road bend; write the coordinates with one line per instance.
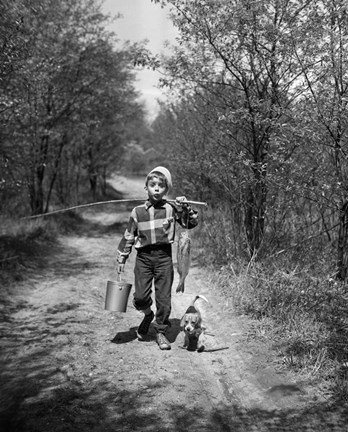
(69, 365)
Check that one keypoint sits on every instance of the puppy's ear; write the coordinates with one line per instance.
(182, 322)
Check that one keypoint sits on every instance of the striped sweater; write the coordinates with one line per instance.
(153, 225)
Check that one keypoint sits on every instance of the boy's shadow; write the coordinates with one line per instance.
(130, 335)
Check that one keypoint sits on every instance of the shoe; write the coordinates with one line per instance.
(144, 325)
(162, 341)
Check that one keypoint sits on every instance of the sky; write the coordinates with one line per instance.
(141, 20)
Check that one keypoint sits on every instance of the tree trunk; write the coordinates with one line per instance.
(36, 191)
(254, 220)
(256, 200)
(93, 181)
(104, 182)
(92, 173)
(342, 253)
(36, 188)
(55, 171)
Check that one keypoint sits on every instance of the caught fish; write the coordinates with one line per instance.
(183, 259)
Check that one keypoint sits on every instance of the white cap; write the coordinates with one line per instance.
(163, 171)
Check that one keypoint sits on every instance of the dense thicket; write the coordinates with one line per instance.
(67, 102)
(258, 120)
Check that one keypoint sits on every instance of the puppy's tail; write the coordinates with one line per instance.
(197, 297)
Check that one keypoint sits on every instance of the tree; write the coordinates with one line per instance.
(241, 56)
(66, 96)
(324, 70)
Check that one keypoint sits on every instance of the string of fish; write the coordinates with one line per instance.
(183, 254)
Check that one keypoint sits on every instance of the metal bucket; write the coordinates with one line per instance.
(117, 294)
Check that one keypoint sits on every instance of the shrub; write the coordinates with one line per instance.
(302, 311)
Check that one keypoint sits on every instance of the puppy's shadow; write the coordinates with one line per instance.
(174, 330)
(131, 335)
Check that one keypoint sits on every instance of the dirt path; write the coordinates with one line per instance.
(69, 365)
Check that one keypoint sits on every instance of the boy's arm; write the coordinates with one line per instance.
(125, 246)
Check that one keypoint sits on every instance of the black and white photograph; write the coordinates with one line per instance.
(174, 215)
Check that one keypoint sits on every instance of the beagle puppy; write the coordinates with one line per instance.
(191, 323)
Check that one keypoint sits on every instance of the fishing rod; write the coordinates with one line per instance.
(122, 201)
(198, 203)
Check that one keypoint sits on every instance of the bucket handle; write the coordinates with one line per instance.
(120, 280)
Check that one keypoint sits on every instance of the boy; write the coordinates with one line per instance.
(151, 230)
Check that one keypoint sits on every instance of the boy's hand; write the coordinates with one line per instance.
(181, 201)
(120, 268)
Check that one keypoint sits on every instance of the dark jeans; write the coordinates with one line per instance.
(154, 263)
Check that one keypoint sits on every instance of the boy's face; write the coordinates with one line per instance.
(156, 189)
